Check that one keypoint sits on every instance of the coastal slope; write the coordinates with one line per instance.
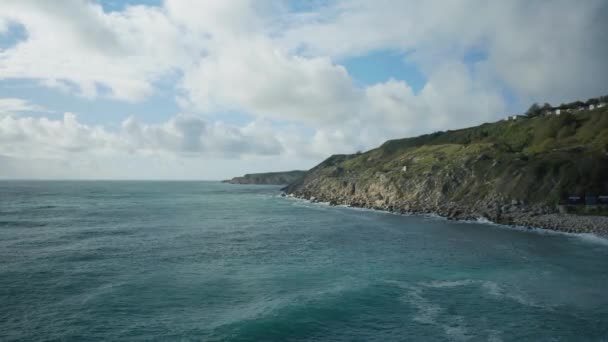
(511, 172)
(276, 178)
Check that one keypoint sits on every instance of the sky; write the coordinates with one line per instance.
(180, 89)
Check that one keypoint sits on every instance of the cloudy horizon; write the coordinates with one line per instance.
(175, 89)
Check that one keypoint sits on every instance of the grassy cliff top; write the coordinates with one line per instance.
(588, 129)
(537, 159)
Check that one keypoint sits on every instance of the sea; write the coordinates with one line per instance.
(206, 261)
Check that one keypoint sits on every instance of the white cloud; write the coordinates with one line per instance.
(191, 136)
(75, 42)
(255, 76)
(134, 150)
(216, 19)
(281, 69)
(13, 105)
(551, 51)
(545, 50)
(38, 137)
(4, 24)
(182, 135)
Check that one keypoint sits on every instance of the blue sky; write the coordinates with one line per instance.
(119, 5)
(230, 87)
(15, 33)
(381, 66)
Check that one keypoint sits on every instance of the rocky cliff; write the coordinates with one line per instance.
(512, 172)
(278, 178)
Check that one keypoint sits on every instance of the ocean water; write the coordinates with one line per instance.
(204, 261)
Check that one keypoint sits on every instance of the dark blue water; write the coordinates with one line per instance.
(208, 261)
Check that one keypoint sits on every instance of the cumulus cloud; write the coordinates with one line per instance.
(183, 135)
(545, 50)
(255, 76)
(191, 136)
(75, 43)
(185, 146)
(281, 69)
(13, 105)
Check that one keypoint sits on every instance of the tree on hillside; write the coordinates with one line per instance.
(577, 104)
(545, 108)
(592, 101)
(534, 110)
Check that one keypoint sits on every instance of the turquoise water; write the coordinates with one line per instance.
(207, 261)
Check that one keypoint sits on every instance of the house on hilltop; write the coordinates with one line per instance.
(546, 109)
(596, 103)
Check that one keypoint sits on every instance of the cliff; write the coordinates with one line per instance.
(512, 172)
(278, 178)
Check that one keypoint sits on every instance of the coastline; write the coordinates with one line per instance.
(515, 215)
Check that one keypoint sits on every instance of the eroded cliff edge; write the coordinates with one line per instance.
(510, 172)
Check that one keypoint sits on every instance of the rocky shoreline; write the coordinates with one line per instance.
(513, 213)
(503, 172)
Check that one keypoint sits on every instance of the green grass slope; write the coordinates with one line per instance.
(536, 160)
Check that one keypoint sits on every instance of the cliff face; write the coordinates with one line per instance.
(508, 172)
(278, 178)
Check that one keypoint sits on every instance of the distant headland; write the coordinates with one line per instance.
(276, 178)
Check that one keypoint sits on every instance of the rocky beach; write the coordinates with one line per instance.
(512, 214)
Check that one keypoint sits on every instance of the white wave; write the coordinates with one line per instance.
(311, 204)
(449, 283)
(491, 288)
(494, 336)
(433, 216)
(430, 313)
(483, 220)
(587, 237)
(456, 331)
(592, 238)
(584, 237)
(427, 313)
